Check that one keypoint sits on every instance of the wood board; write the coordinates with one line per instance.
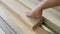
(3, 24)
(52, 15)
(17, 20)
(20, 10)
(5, 28)
(10, 23)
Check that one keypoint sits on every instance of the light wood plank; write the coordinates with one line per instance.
(20, 10)
(12, 26)
(17, 20)
(5, 28)
(28, 3)
(3, 24)
(52, 16)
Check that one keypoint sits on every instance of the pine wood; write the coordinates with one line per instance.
(52, 15)
(20, 10)
(50, 19)
(19, 23)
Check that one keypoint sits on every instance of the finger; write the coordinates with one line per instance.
(31, 16)
(34, 17)
(38, 18)
(41, 18)
(28, 15)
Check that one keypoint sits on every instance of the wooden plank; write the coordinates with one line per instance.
(52, 19)
(28, 3)
(10, 23)
(52, 16)
(1, 31)
(19, 23)
(5, 27)
(20, 10)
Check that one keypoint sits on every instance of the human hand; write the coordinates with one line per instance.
(35, 14)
